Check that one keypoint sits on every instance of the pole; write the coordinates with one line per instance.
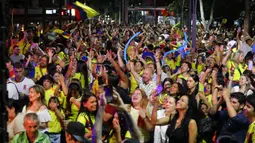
(194, 27)
(44, 13)
(126, 11)
(60, 16)
(26, 14)
(189, 19)
(3, 101)
(155, 14)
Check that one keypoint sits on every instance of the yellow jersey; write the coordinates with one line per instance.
(40, 72)
(87, 120)
(250, 136)
(237, 69)
(74, 111)
(199, 67)
(55, 125)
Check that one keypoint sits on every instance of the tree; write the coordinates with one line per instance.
(247, 17)
(178, 7)
(202, 14)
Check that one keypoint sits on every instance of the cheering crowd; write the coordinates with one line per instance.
(99, 83)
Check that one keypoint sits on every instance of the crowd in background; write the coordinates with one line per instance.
(89, 83)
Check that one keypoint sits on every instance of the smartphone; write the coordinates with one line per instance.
(108, 94)
(159, 90)
(250, 65)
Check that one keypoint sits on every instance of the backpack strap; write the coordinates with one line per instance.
(15, 87)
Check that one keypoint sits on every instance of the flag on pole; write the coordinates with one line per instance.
(82, 11)
(63, 33)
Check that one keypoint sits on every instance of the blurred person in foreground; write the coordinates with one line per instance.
(75, 132)
(31, 135)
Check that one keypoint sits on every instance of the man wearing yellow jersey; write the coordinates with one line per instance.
(249, 112)
(41, 69)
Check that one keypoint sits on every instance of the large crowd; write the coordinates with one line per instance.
(96, 83)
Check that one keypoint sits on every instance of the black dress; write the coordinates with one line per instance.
(180, 134)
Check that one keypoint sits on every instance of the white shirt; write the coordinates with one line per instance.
(245, 48)
(237, 89)
(43, 115)
(12, 92)
(23, 86)
(17, 58)
(163, 76)
(160, 131)
(147, 88)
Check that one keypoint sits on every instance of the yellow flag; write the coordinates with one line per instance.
(58, 31)
(90, 12)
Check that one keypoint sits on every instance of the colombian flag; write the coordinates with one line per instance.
(63, 33)
(82, 12)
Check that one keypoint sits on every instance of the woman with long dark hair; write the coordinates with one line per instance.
(183, 127)
(87, 112)
(73, 100)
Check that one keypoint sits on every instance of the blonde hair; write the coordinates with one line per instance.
(236, 56)
(145, 100)
(39, 89)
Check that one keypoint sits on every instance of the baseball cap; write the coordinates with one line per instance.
(77, 130)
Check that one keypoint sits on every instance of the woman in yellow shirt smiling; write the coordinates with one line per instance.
(87, 112)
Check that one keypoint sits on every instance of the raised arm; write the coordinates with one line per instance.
(225, 59)
(97, 130)
(120, 61)
(159, 72)
(216, 103)
(231, 111)
(122, 75)
(192, 131)
(133, 128)
(134, 73)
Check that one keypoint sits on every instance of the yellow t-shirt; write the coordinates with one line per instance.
(133, 82)
(199, 67)
(178, 61)
(80, 77)
(48, 94)
(86, 120)
(74, 111)
(171, 64)
(61, 55)
(40, 71)
(24, 46)
(237, 73)
(54, 125)
(61, 97)
(201, 87)
(250, 135)
(209, 98)
(180, 76)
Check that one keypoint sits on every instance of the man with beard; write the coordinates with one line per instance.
(41, 69)
(19, 84)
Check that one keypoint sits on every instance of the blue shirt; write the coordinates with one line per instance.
(236, 126)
